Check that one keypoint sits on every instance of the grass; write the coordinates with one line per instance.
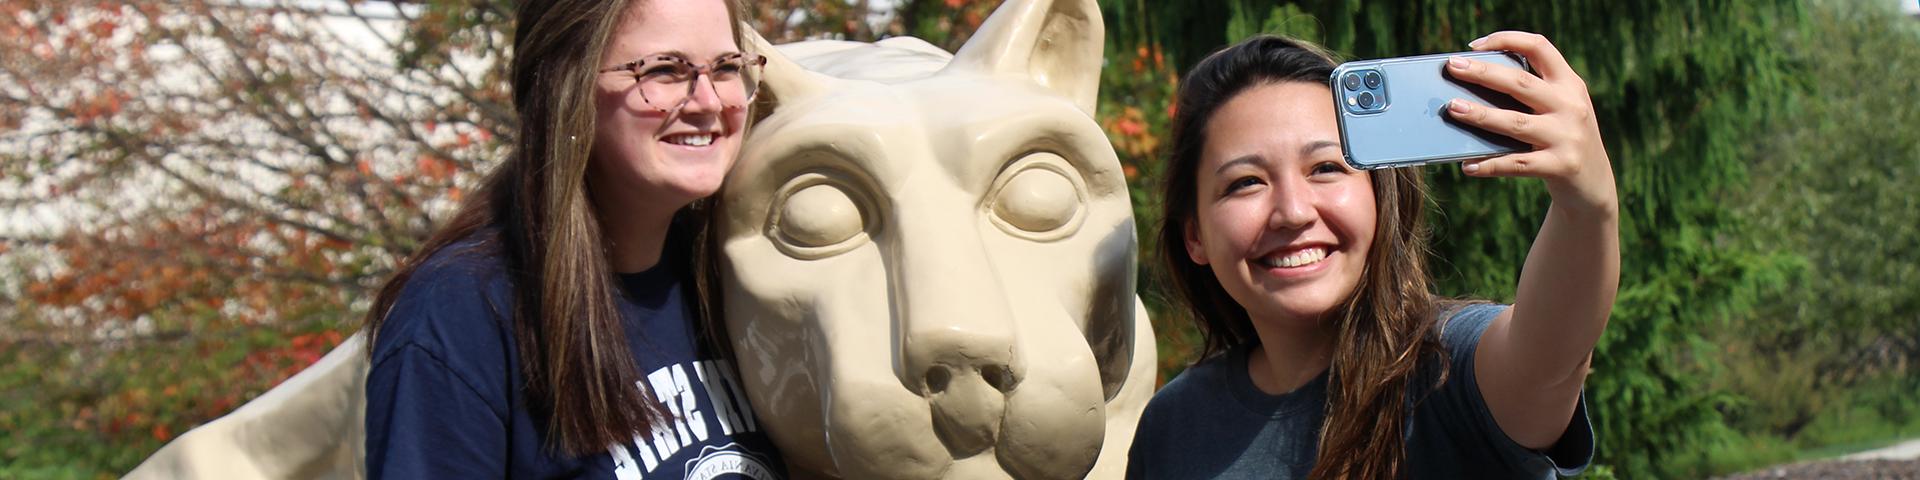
(1869, 416)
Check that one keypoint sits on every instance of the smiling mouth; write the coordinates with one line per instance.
(1296, 259)
(689, 139)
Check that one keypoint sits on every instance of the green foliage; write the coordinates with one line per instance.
(96, 411)
(1834, 181)
(1825, 366)
(1252, 18)
(947, 23)
(1787, 411)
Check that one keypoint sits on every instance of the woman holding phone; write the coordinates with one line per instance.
(1327, 354)
(553, 327)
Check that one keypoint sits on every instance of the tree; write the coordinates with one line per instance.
(191, 140)
(1833, 183)
(215, 181)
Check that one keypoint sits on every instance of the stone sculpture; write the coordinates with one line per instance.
(929, 258)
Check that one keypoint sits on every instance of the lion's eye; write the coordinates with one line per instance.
(817, 216)
(1038, 199)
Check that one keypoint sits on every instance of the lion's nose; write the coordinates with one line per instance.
(956, 326)
(966, 381)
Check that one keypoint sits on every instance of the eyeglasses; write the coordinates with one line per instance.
(667, 81)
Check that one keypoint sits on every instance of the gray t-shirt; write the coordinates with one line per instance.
(1212, 422)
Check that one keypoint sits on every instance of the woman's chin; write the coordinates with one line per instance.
(1299, 308)
(689, 184)
(691, 191)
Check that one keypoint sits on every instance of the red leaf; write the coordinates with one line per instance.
(103, 29)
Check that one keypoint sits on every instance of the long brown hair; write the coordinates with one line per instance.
(1385, 326)
(534, 211)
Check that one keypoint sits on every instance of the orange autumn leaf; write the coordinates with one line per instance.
(334, 244)
(103, 29)
(434, 167)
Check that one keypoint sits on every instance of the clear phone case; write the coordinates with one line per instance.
(1392, 112)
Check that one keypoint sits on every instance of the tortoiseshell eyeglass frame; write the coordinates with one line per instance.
(750, 65)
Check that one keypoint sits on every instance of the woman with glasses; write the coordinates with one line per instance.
(553, 327)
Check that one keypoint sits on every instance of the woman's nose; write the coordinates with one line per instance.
(1295, 204)
(704, 99)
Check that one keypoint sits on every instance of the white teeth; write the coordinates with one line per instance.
(693, 140)
(1297, 259)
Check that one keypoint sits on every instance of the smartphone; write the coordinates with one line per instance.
(1393, 111)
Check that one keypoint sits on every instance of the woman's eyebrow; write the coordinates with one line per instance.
(668, 53)
(1315, 146)
(1251, 159)
(665, 53)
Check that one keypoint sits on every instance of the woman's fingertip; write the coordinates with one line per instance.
(1470, 167)
(1476, 43)
(1459, 106)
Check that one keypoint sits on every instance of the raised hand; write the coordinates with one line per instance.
(1568, 152)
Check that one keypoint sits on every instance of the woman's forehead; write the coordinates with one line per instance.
(1276, 121)
(697, 30)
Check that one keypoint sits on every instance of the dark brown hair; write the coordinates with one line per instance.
(1384, 327)
(534, 210)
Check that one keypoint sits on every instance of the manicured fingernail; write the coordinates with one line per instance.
(1476, 42)
(1459, 106)
(1457, 63)
(1470, 167)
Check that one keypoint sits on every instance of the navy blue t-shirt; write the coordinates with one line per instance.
(1212, 422)
(445, 396)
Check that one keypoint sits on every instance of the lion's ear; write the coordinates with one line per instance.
(783, 81)
(1056, 43)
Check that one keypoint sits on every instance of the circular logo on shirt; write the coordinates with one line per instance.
(715, 463)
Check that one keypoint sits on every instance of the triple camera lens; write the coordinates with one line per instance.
(1363, 91)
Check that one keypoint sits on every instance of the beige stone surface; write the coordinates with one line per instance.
(930, 274)
(310, 426)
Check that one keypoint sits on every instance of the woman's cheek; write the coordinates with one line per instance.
(1351, 204)
(1238, 224)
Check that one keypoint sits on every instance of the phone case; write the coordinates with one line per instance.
(1407, 123)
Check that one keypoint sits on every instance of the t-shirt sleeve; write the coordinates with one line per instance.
(438, 393)
(1459, 401)
(425, 422)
